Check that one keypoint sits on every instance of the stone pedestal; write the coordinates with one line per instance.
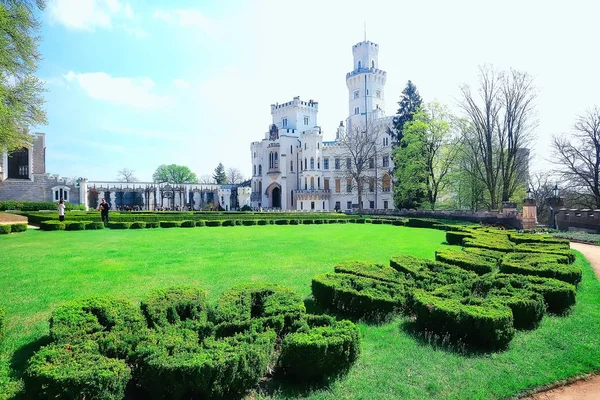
(529, 218)
(509, 208)
(83, 193)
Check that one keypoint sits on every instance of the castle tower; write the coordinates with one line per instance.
(365, 84)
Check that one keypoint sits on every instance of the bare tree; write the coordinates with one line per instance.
(126, 175)
(206, 179)
(579, 158)
(359, 153)
(234, 176)
(502, 122)
(541, 185)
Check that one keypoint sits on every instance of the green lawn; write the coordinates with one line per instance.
(39, 270)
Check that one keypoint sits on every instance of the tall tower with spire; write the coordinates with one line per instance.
(365, 84)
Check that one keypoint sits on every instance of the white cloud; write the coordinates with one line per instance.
(185, 18)
(133, 92)
(181, 83)
(87, 15)
(137, 33)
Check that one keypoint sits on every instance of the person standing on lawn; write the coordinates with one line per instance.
(104, 207)
(61, 210)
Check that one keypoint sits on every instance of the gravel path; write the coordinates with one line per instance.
(588, 388)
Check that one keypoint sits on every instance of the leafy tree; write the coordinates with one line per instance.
(21, 98)
(126, 175)
(174, 174)
(409, 103)
(220, 176)
(410, 189)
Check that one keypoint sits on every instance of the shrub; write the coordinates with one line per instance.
(496, 255)
(188, 224)
(174, 304)
(238, 222)
(52, 226)
(138, 225)
(489, 242)
(359, 220)
(75, 371)
(152, 224)
(5, 229)
(174, 363)
(307, 221)
(547, 249)
(262, 222)
(228, 222)
(527, 307)
(335, 346)
(371, 270)
(296, 222)
(456, 238)
(214, 223)
(430, 274)
(249, 222)
(94, 225)
(544, 265)
(398, 222)
(170, 224)
(119, 225)
(422, 223)
(486, 324)
(377, 221)
(35, 205)
(520, 238)
(75, 225)
(14, 228)
(318, 221)
(282, 222)
(469, 261)
(276, 305)
(359, 296)
(200, 223)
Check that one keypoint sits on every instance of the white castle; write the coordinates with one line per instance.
(294, 169)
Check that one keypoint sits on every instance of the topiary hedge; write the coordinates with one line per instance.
(52, 226)
(152, 224)
(371, 270)
(546, 249)
(5, 229)
(214, 223)
(490, 242)
(75, 225)
(262, 222)
(456, 238)
(282, 222)
(228, 222)
(94, 225)
(188, 224)
(520, 238)
(249, 222)
(430, 274)
(315, 352)
(138, 225)
(469, 261)
(170, 224)
(75, 371)
(307, 221)
(172, 305)
(119, 225)
(544, 265)
(14, 228)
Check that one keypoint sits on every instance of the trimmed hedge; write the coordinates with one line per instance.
(546, 248)
(315, 353)
(52, 226)
(430, 274)
(138, 225)
(276, 305)
(35, 205)
(520, 238)
(175, 363)
(456, 238)
(496, 255)
(94, 225)
(307, 221)
(484, 323)
(371, 270)
(262, 222)
(359, 296)
(422, 223)
(214, 223)
(228, 222)
(527, 307)
(152, 224)
(188, 224)
(75, 225)
(490, 242)
(170, 224)
(172, 305)
(249, 222)
(282, 222)
(5, 229)
(75, 371)
(544, 265)
(469, 261)
(14, 228)
(119, 225)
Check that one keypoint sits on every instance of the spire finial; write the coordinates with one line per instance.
(365, 22)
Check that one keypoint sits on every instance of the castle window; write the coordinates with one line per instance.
(326, 183)
(372, 63)
(291, 166)
(312, 183)
(305, 184)
(378, 93)
(305, 120)
(337, 186)
(386, 183)
(254, 171)
(356, 94)
(386, 141)
(371, 204)
(356, 110)
(312, 205)
(386, 161)
(326, 163)
(367, 92)
(385, 205)
(319, 163)
(337, 163)
(312, 163)
(359, 64)
(349, 185)
(292, 197)
(371, 185)
(18, 164)
(348, 163)
(349, 205)
(304, 146)
(372, 162)
(284, 122)
(259, 169)
(291, 149)
(61, 193)
(318, 182)
(305, 164)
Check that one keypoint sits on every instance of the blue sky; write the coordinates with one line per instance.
(139, 83)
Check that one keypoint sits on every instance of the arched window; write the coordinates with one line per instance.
(385, 183)
(312, 163)
(276, 161)
(305, 185)
(359, 64)
(318, 162)
(18, 164)
(291, 149)
(312, 183)
(305, 164)
(318, 183)
(260, 187)
(259, 169)
(291, 166)
(372, 63)
(254, 171)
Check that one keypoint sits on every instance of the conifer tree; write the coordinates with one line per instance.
(410, 101)
(220, 176)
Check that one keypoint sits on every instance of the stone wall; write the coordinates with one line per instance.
(38, 189)
(578, 220)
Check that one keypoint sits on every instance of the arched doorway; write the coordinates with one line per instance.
(276, 197)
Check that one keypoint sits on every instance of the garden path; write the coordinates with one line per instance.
(588, 388)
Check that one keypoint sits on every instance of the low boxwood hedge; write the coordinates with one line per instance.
(152, 224)
(170, 224)
(456, 238)
(307, 221)
(296, 222)
(119, 225)
(469, 261)
(215, 223)
(520, 238)
(5, 229)
(75, 371)
(262, 222)
(14, 228)
(75, 225)
(249, 222)
(543, 265)
(489, 242)
(335, 345)
(276, 305)
(496, 255)
(52, 226)
(422, 223)
(430, 274)
(138, 225)
(371, 270)
(282, 222)
(188, 224)
(172, 305)
(546, 249)
(228, 222)
(94, 225)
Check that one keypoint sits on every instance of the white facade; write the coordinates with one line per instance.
(293, 168)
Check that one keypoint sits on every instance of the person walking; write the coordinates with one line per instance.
(104, 207)
(61, 210)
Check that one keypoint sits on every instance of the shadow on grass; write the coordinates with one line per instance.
(18, 362)
(443, 342)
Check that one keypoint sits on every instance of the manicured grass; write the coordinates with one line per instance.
(39, 270)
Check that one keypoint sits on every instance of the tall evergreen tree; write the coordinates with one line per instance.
(220, 176)
(410, 101)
